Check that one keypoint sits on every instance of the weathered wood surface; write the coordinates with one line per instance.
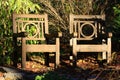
(77, 22)
(39, 24)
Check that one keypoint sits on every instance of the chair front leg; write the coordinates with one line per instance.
(23, 53)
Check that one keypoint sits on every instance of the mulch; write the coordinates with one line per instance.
(83, 69)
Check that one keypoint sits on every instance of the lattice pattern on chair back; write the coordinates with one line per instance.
(34, 24)
(87, 27)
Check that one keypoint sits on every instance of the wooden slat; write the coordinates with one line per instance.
(91, 48)
(46, 24)
(71, 23)
(109, 55)
(23, 53)
(75, 27)
(42, 27)
(57, 53)
(14, 24)
(19, 38)
(88, 38)
(89, 16)
(40, 48)
(79, 21)
(30, 21)
(30, 15)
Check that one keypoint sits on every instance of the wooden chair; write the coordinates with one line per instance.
(89, 29)
(29, 28)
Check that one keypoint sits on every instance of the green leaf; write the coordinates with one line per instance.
(38, 77)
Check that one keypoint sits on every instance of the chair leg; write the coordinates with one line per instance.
(57, 54)
(47, 59)
(74, 59)
(74, 52)
(109, 56)
(23, 53)
(15, 52)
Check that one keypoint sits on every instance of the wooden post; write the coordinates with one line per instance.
(15, 57)
(23, 53)
(104, 56)
(109, 57)
(71, 23)
(46, 59)
(57, 55)
(74, 52)
(71, 56)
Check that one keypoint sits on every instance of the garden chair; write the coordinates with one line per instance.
(91, 30)
(30, 30)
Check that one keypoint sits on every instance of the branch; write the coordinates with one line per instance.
(53, 12)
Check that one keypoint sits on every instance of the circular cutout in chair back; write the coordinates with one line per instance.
(88, 30)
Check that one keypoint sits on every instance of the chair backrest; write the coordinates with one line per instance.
(35, 25)
(86, 27)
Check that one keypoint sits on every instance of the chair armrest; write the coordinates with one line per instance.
(59, 34)
(73, 35)
(21, 34)
(50, 38)
(110, 34)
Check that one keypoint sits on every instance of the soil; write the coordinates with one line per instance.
(37, 66)
(87, 68)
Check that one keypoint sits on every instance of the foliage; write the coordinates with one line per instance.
(59, 10)
(100, 6)
(51, 76)
(7, 7)
(116, 22)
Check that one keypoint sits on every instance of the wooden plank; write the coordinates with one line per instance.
(57, 58)
(109, 55)
(104, 55)
(91, 48)
(46, 24)
(30, 15)
(83, 21)
(74, 52)
(41, 48)
(39, 39)
(32, 38)
(14, 24)
(86, 38)
(30, 21)
(89, 16)
(71, 23)
(23, 53)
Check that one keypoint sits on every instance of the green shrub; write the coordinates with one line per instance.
(51, 76)
(7, 7)
(116, 23)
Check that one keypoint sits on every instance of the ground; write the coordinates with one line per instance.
(86, 69)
